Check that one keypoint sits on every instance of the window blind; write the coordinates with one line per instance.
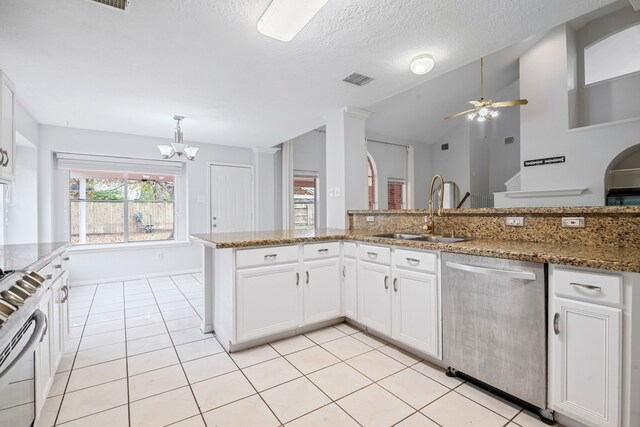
(74, 161)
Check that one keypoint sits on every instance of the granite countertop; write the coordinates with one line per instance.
(563, 210)
(600, 257)
(27, 256)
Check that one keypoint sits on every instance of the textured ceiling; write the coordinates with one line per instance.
(84, 65)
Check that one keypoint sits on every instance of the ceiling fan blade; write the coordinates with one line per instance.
(510, 103)
(475, 103)
(460, 113)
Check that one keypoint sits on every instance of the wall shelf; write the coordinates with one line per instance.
(544, 193)
(630, 171)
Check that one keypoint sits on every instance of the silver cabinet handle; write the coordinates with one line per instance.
(307, 277)
(589, 287)
(49, 276)
(57, 266)
(395, 284)
(323, 251)
(386, 282)
(413, 261)
(1, 158)
(297, 279)
(556, 323)
(372, 255)
(46, 327)
(65, 288)
(270, 257)
(65, 258)
(344, 271)
(5, 154)
(524, 275)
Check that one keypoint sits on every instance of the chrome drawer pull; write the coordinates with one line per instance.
(589, 287)
(297, 279)
(49, 276)
(65, 258)
(307, 277)
(386, 282)
(270, 257)
(395, 284)
(556, 323)
(344, 271)
(323, 251)
(372, 255)
(413, 261)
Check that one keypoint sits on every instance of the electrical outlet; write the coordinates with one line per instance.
(514, 221)
(337, 192)
(575, 222)
(371, 218)
(331, 192)
(159, 255)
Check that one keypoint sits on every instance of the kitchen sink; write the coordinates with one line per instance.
(420, 238)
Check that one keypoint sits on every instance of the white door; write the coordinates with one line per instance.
(586, 355)
(321, 293)
(415, 310)
(267, 300)
(231, 199)
(374, 296)
(350, 288)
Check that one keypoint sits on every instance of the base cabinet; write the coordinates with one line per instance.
(45, 368)
(374, 296)
(321, 290)
(266, 300)
(587, 352)
(350, 281)
(415, 310)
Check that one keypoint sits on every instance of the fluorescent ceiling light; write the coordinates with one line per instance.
(422, 64)
(284, 19)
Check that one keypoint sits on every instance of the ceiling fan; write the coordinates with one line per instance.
(484, 108)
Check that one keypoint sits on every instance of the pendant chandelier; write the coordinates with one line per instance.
(178, 146)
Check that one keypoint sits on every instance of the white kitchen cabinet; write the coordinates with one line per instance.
(321, 290)
(55, 321)
(350, 281)
(416, 319)
(374, 296)
(45, 369)
(587, 352)
(7, 129)
(267, 300)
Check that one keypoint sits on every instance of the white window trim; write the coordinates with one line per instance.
(375, 182)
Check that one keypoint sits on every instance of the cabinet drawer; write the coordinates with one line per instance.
(47, 273)
(65, 261)
(56, 267)
(266, 256)
(376, 254)
(593, 287)
(350, 249)
(321, 250)
(423, 261)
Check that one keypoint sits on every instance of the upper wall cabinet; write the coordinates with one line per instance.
(7, 129)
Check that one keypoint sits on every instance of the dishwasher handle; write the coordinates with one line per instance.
(524, 275)
(40, 320)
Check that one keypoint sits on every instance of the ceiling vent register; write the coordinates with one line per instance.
(357, 79)
(118, 4)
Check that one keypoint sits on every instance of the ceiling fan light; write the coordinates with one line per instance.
(494, 114)
(166, 151)
(483, 112)
(471, 116)
(422, 64)
(481, 119)
(284, 19)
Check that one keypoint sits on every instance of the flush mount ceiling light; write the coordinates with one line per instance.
(283, 19)
(422, 64)
(178, 146)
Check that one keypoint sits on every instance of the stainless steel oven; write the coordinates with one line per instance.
(17, 373)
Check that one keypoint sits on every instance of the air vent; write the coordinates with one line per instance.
(357, 79)
(444, 147)
(118, 4)
(509, 140)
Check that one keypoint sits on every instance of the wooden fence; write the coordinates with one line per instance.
(108, 217)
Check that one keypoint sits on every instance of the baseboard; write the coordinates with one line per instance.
(133, 277)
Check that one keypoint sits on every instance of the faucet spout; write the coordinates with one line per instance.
(429, 226)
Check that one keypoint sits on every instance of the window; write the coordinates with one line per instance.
(396, 193)
(372, 179)
(121, 207)
(305, 200)
(613, 56)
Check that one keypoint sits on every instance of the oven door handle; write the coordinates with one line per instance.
(40, 320)
(524, 275)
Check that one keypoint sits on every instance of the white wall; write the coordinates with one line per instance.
(309, 154)
(22, 209)
(453, 164)
(545, 130)
(109, 265)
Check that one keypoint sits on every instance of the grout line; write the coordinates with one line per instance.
(126, 355)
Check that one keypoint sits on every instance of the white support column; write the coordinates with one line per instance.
(346, 164)
(287, 185)
(82, 210)
(263, 181)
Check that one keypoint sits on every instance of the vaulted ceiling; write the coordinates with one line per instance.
(80, 64)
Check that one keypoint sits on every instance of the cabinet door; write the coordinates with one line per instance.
(64, 308)
(7, 128)
(266, 300)
(55, 323)
(321, 293)
(415, 311)
(374, 296)
(44, 369)
(586, 353)
(350, 280)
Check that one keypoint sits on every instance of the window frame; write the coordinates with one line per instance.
(371, 164)
(125, 206)
(403, 182)
(316, 176)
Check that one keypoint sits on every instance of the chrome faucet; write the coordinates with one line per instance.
(429, 226)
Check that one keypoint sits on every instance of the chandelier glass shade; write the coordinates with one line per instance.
(178, 147)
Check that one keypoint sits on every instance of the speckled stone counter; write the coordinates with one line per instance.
(30, 255)
(601, 257)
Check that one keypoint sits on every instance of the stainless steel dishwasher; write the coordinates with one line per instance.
(494, 326)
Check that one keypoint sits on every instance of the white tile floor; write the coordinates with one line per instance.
(136, 357)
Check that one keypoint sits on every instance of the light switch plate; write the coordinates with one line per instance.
(514, 221)
(574, 222)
